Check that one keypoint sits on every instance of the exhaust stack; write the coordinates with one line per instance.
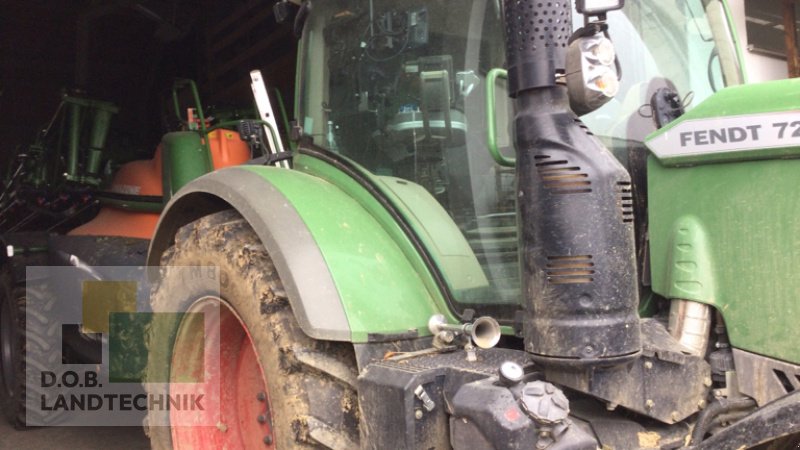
(574, 205)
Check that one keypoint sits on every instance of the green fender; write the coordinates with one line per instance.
(348, 273)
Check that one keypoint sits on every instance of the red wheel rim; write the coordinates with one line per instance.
(236, 398)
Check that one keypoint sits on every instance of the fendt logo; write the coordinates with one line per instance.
(88, 342)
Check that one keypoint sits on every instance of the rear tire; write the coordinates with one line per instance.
(17, 304)
(309, 384)
(12, 346)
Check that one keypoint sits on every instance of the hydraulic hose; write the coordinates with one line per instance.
(714, 410)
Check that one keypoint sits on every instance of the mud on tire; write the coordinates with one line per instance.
(310, 383)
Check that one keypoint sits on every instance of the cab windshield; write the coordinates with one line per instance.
(399, 87)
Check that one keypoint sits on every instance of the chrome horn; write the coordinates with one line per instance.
(484, 331)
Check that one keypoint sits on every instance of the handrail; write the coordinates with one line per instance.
(491, 116)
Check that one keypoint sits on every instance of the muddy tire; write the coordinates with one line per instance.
(303, 396)
(14, 299)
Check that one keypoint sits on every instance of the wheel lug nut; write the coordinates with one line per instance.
(261, 418)
(268, 440)
(261, 396)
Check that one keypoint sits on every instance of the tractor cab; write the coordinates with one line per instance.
(411, 90)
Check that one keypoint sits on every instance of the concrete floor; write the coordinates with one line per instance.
(78, 438)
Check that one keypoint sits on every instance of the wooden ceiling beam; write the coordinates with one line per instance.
(790, 34)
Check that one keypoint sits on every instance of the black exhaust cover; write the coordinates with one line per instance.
(574, 205)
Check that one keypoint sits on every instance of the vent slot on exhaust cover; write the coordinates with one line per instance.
(560, 177)
(584, 127)
(570, 269)
(625, 200)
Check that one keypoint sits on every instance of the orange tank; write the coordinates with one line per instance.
(143, 178)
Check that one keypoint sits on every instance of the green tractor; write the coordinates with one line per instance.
(423, 278)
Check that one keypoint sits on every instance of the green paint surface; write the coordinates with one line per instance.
(747, 99)
(429, 221)
(185, 157)
(439, 234)
(380, 278)
(729, 235)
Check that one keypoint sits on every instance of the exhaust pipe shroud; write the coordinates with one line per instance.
(574, 204)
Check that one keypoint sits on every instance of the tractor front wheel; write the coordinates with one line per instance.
(278, 388)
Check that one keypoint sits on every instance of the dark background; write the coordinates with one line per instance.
(131, 53)
(765, 32)
(133, 50)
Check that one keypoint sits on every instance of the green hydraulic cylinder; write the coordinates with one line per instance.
(97, 140)
(74, 139)
(101, 112)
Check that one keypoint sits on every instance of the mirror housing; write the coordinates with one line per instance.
(285, 11)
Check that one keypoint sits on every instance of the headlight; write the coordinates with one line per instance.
(606, 83)
(600, 50)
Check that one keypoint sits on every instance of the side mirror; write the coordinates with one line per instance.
(285, 11)
(293, 11)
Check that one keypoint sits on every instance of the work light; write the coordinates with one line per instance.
(597, 7)
(592, 78)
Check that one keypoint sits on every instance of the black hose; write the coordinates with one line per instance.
(721, 406)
